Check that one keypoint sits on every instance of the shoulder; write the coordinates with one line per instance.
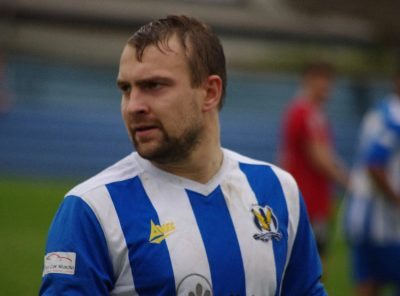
(391, 109)
(286, 180)
(299, 113)
(93, 197)
(273, 186)
(124, 169)
(298, 106)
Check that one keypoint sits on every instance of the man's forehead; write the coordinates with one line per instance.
(170, 46)
(155, 61)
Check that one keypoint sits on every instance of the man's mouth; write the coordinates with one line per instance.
(144, 131)
(143, 128)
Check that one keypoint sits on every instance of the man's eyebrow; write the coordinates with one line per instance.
(150, 79)
(157, 78)
(121, 82)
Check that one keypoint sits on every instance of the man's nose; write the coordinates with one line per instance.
(137, 102)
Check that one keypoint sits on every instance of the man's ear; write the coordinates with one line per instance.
(213, 88)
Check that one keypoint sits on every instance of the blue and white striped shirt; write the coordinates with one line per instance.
(370, 217)
(136, 230)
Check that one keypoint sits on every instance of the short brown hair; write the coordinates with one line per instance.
(203, 48)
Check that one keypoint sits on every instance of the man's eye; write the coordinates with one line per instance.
(125, 88)
(152, 85)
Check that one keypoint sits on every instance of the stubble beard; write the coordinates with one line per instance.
(171, 149)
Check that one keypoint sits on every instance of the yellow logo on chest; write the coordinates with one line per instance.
(160, 232)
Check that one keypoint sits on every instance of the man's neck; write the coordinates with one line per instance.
(205, 160)
(314, 100)
(200, 166)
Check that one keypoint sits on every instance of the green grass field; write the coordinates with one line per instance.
(26, 210)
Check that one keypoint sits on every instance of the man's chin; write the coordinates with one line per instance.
(158, 155)
(149, 153)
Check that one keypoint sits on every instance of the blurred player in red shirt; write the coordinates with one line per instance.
(307, 149)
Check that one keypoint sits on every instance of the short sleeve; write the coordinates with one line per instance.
(77, 260)
(316, 126)
(303, 272)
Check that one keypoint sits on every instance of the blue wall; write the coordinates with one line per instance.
(65, 119)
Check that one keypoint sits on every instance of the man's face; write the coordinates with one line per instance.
(319, 86)
(161, 110)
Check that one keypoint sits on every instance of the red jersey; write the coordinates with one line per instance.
(304, 122)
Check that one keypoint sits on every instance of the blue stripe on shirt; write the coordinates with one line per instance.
(75, 228)
(268, 191)
(220, 241)
(377, 154)
(150, 263)
(303, 273)
(391, 123)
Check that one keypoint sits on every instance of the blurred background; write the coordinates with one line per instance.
(59, 106)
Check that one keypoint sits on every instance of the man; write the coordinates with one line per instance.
(181, 216)
(307, 150)
(373, 207)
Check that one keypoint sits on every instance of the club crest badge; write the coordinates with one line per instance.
(267, 224)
